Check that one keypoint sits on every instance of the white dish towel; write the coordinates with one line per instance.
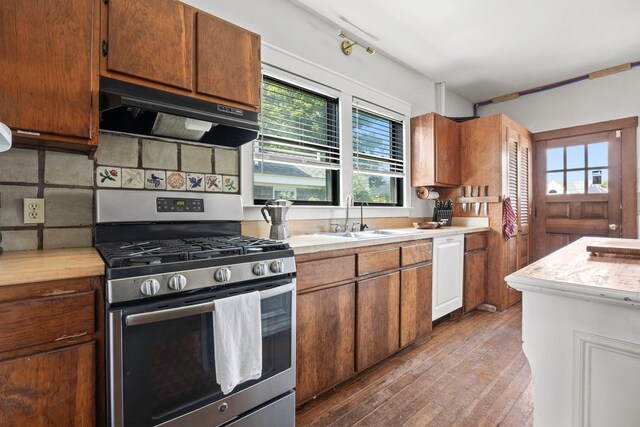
(237, 340)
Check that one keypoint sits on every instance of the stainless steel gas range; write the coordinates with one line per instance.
(169, 256)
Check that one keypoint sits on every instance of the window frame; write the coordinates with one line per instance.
(333, 175)
(375, 110)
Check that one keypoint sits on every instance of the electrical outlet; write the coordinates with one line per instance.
(33, 211)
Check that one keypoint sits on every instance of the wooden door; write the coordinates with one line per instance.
(151, 40)
(447, 151)
(578, 189)
(49, 389)
(228, 61)
(415, 303)
(325, 339)
(377, 319)
(46, 64)
(475, 279)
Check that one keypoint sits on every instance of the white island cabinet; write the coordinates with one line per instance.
(448, 262)
(581, 334)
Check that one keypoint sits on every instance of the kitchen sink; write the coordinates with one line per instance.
(369, 234)
(391, 232)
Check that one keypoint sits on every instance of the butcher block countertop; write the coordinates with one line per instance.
(53, 264)
(573, 270)
(308, 243)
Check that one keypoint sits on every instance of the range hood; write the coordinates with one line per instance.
(142, 111)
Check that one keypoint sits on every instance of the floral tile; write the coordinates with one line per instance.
(213, 183)
(176, 181)
(230, 183)
(106, 176)
(195, 182)
(155, 180)
(132, 178)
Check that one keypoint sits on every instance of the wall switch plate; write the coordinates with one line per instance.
(33, 211)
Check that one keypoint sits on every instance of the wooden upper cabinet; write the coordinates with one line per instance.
(435, 151)
(47, 86)
(151, 40)
(228, 61)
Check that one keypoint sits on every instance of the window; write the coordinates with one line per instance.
(378, 160)
(297, 155)
(578, 169)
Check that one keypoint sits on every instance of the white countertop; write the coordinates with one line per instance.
(574, 271)
(308, 243)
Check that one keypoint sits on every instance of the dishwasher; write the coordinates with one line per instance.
(448, 262)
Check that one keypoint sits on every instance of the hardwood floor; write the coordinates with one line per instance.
(471, 373)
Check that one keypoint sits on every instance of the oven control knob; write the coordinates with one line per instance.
(150, 287)
(223, 274)
(177, 282)
(277, 266)
(260, 269)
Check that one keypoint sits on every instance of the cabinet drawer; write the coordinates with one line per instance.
(474, 242)
(324, 271)
(36, 321)
(374, 262)
(416, 254)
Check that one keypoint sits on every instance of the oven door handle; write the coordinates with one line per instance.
(176, 313)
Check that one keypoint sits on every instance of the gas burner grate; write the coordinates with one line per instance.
(124, 254)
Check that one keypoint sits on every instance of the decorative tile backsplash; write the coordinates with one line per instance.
(67, 183)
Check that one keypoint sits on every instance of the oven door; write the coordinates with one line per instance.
(161, 362)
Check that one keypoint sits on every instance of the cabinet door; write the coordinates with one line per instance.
(325, 339)
(448, 255)
(228, 61)
(49, 389)
(415, 304)
(151, 40)
(46, 66)
(435, 151)
(475, 278)
(378, 319)
(524, 183)
(513, 171)
(447, 151)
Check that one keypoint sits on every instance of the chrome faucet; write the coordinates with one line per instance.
(349, 203)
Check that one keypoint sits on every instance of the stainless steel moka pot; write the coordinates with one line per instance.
(277, 211)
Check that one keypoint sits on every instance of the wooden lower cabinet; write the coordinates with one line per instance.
(377, 319)
(475, 279)
(56, 388)
(325, 339)
(52, 353)
(415, 303)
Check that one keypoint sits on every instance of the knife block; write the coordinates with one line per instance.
(443, 214)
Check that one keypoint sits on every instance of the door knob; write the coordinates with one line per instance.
(613, 227)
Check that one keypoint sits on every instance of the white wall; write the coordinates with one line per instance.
(589, 101)
(292, 29)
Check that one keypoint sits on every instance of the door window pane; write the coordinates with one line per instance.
(598, 154)
(598, 181)
(575, 157)
(555, 159)
(575, 182)
(555, 183)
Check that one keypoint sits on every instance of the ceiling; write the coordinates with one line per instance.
(484, 49)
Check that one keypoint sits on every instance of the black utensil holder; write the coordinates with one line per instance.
(443, 214)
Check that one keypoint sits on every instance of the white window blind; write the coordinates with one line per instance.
(298, 127)
(377, 144)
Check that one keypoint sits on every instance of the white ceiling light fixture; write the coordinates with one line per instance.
(5, 137)
(347, 45)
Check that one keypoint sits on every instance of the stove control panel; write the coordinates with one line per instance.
(172, 204)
